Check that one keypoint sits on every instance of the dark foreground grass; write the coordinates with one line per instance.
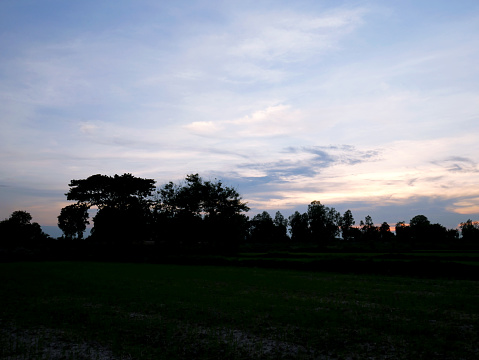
(140, 311)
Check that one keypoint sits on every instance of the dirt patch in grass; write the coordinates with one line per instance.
(52, 344)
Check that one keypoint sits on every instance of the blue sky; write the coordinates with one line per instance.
(371, 106)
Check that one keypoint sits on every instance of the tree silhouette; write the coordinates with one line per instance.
(323, 222)
(201, 211)
(385, 232)
(403, 232)
(73, 220)
(123, 203)
(346, 224)
(299, 227)
(262, 228)
(420, 226)
(107, 191)
(369, 231)
(18, 230)
(470, 230)
(280, 227)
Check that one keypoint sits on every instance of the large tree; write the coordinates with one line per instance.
(201, 211)
(118, 191)
(123, 203)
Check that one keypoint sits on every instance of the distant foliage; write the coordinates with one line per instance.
(470, 230)
(19, 231)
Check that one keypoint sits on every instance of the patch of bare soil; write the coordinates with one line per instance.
(51, 344)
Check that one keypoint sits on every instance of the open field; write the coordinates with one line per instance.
(428, 264)
(79, 310)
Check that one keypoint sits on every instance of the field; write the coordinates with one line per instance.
(88, 310)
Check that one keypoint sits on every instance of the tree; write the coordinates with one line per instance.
(385, 232)
(403, 232)
(20, 218)
(73, 220)
(123, 203)
(107, 191)
(18, 230)
(346, 223)
(299, 227)
(453, 235)
(201, 211)
(323, 222)
(280, 227)
(262, 228)
(470, 230)
(369, 231)
(436, 233)
(420, 226)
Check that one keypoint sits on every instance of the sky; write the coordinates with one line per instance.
(371, 106)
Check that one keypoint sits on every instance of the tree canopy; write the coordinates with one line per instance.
(73, 220)
(19, 230)
(204, 210)
(119, 191)
(123, 203)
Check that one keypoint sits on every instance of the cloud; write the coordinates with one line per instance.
(304, 164)
(458, 164)
(88, 128)
(286, 36)
(275, 120)
(468, 206)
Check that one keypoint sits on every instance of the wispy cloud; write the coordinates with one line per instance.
(273, 121)
(458, 164)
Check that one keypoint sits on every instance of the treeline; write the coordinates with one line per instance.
(209, 216)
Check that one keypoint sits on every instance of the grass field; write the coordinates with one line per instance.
(79, 310)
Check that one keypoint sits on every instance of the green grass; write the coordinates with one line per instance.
(140, 311)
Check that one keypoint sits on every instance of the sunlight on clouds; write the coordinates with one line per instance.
(465, 207)
(399, 174)
(272, 121)
(205, 128)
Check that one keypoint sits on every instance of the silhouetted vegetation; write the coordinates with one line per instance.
(73, 220)
(133, 219)
(199, 214)
(19, 231)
